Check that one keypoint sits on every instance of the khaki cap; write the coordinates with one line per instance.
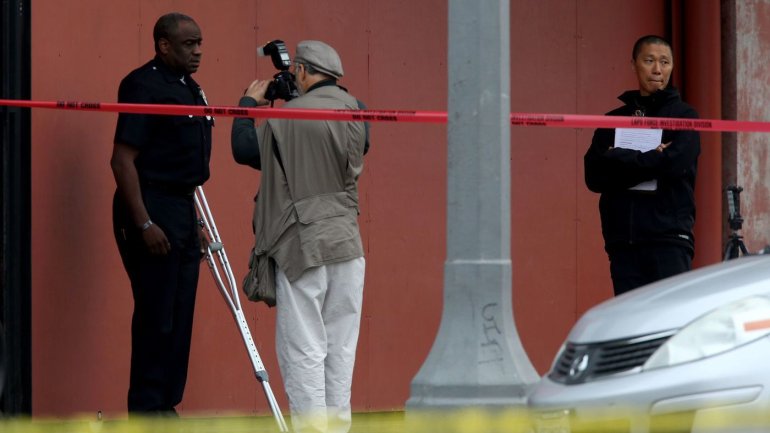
(320, 56)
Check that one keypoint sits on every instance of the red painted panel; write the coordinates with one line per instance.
(81, 302)
(703, 90)
(406, 192)
(569, 57)
(543, 165)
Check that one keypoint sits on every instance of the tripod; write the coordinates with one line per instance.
(735, 246)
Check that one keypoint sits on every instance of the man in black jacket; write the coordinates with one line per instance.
(648, 232)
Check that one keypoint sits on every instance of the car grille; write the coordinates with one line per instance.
(580, 363)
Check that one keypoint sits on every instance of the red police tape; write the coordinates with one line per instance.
(517, 119)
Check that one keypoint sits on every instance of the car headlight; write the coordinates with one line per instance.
(718, 331)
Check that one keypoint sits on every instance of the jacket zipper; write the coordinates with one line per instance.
(631, 224)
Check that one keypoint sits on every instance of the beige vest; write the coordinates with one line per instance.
(306, 214)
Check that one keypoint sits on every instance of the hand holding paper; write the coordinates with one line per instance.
(642, 140)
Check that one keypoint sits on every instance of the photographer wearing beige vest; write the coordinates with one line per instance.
(306, 226)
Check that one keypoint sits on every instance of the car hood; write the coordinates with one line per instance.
(674, 302)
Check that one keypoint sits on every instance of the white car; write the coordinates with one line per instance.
(689, 353)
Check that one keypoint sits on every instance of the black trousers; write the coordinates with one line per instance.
(164, 290)
(637, 265)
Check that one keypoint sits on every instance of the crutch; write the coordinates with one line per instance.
(230, 293)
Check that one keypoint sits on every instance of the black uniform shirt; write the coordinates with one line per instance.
(174, 151)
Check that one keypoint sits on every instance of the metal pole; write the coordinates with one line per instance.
(477, 358)
(15, 213)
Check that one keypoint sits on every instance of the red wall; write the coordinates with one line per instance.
(566, 57)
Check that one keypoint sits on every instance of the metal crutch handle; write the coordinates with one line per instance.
(229, 291)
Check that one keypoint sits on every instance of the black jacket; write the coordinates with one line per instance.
(632, 217)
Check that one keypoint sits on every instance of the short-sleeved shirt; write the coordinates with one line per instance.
(174, 151)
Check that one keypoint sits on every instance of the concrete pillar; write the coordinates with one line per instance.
(477, 358)
(746, 90)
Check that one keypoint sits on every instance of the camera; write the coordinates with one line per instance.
(283, 85)
(734, 207)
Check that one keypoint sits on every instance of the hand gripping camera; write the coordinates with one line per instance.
(283, 85)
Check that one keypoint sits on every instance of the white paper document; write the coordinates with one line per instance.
(642, 140)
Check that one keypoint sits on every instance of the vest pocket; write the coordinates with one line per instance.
(316, 208)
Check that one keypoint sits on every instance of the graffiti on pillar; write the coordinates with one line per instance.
(491, 347)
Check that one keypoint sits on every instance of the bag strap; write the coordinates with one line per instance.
(277, 154)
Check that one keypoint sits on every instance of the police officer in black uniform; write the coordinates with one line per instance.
(157, 162)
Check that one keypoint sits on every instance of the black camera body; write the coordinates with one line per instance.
(283, 85)
(734, 217)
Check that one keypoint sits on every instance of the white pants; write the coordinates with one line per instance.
(317, 321)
